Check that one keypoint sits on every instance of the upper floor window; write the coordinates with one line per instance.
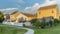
(52, 11)
(39, 12)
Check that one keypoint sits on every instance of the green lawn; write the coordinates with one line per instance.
(51, 30)
(11, 30)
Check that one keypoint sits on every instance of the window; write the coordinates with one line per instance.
(52, 11)
(39, 12)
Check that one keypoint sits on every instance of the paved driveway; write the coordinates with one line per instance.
(30, 31)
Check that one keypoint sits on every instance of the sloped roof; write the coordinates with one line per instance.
(14, 12)
(49, 4)
(28, 15)
(47, 7)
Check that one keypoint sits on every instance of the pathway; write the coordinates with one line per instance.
(30, 31)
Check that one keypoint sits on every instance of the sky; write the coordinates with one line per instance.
(28, 6)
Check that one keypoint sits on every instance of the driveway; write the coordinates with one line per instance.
(30, 31)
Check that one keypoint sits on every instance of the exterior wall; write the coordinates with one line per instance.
(53, 11)
(12, 18)
(16, 17)
(20, 16)
(30, 18)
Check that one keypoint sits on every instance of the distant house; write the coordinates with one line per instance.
(18, 16)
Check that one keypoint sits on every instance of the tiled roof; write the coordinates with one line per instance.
(28, 15)
(47, 7)
(14, 12)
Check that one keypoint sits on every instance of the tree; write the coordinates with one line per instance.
(1, 17)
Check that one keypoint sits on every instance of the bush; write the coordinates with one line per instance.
(33, 20)
(56, 21)
(1, 17)
(37, 23)
(42, 24)
(51, 23)
(23, 25)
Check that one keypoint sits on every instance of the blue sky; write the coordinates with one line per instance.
(22, 4)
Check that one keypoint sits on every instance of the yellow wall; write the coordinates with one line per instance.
(48, 12)
(12, 18)
(30, 18)
(21, 15)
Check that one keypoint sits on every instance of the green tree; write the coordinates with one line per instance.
(1, 17)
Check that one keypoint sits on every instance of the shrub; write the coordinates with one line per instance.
(1, 17)
(23, 25)
(56, 21)
(33, 20)
(37, 23)
(51, 23)
(42, 24)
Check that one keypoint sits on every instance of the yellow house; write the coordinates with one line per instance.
(29, 16)
(18, 16)
(14, 15)
(46, 11)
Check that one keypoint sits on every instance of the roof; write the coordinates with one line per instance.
(28, 15)
(14, 12)
(47, 7)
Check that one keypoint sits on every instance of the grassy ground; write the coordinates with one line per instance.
(11, 30)
(51, 30)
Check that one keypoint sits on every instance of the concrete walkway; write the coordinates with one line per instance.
(29, 31)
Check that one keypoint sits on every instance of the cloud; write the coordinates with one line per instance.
(58, 1)
(33, 9)
(8, 9)
(48, 3)
(36, 6)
